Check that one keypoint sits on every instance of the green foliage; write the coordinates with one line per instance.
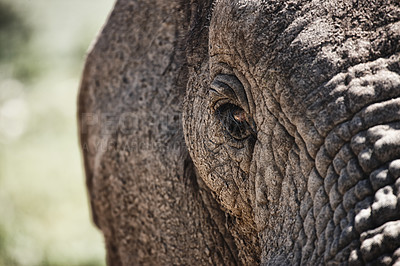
(44, 214)
(16, 57)
(14, 32)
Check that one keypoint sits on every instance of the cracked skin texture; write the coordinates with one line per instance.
(308, 173)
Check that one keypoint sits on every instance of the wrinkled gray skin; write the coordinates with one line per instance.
(311, 178)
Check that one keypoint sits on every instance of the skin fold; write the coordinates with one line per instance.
(245, 132)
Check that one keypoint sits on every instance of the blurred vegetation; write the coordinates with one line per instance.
(44, 216)
(15, 34)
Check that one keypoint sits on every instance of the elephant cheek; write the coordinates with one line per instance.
(279, 186)
(360, 178)
(267, 185)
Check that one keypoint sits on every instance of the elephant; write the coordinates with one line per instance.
(245, 132)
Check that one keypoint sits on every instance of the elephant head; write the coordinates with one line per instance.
(245, 132)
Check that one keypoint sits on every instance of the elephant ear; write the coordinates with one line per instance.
(143, 190)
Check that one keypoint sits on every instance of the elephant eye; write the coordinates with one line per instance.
(234, 121)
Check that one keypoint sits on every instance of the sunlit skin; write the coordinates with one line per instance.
(286, 152)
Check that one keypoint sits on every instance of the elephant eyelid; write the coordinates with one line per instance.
(227, 88)
(229, 104)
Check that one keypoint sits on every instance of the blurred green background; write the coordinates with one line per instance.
(44, 216)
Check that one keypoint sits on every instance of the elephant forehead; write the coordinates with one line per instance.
(255, 36)
(281, 32)
(232, 25)
(260, 26)
(302, 43)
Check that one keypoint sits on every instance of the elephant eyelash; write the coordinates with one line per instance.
(234, 121)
